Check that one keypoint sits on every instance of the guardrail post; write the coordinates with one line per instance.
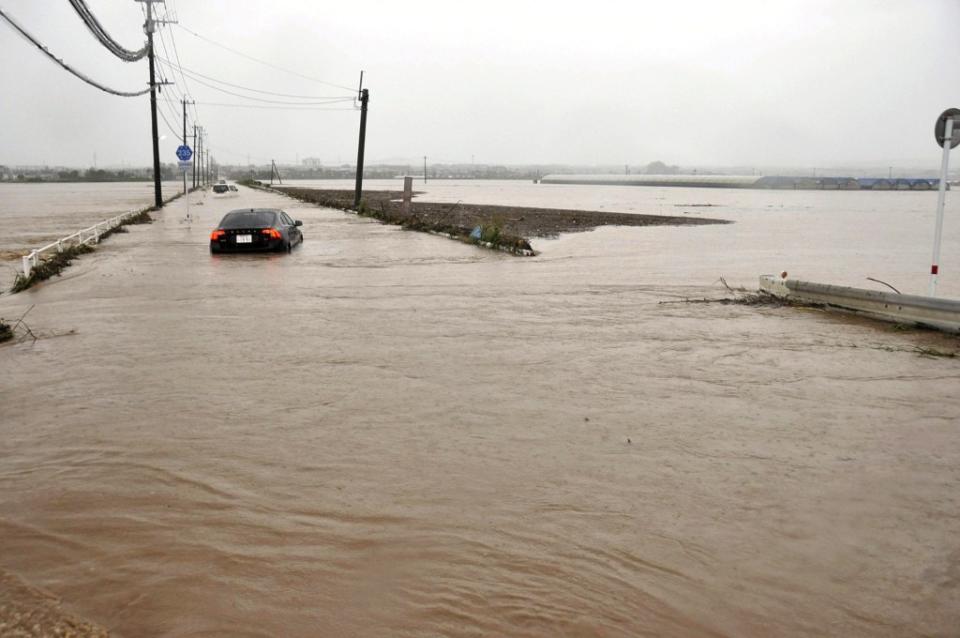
(26, 266)
(59, 245)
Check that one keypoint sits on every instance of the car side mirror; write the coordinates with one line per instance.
(298, 223)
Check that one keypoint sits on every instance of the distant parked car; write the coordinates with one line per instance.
(233, 188)
(256, 229)
(220, 188)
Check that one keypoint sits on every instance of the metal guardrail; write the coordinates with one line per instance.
(935, 312)
(87, 236)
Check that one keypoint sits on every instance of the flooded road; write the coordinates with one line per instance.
(390, 433)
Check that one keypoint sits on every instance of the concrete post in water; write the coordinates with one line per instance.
(25, 261)
(407, 194)
(948, 143)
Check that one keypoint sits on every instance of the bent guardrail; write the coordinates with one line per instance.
(934, 312)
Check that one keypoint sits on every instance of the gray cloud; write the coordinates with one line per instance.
(735, 83)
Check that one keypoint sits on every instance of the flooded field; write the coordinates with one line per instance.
(32, 215)
(390, 433)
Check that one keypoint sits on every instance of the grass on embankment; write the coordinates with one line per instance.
(6, 332)
(50, 267)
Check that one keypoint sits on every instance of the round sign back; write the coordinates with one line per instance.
(941, 128)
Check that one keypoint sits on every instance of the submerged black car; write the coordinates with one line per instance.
(255, 229)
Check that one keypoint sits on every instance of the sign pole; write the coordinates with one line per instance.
(941, 199)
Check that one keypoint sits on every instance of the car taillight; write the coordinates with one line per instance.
(217, 234)
(272, 233)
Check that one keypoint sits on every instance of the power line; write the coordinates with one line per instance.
(169, 126)
(171, 109)
(101, 34)
(260, 99)
(176, 53)
(66, 66)
(166, 52)
(282, 108)
(269, 64)
(192, 73)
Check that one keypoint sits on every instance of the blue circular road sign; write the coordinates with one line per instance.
(184, 153)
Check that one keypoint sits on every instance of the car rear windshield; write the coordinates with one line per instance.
(248, 219)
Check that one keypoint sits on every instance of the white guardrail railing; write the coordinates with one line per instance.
(87, 236)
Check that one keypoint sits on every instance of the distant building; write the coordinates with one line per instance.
(312, 162)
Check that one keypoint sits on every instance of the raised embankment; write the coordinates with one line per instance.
(507, 228)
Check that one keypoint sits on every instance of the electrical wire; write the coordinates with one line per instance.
(281, 108)
(195, 74)
(173, 109)
(170, 110)
(166, 49)
(66, 66)
(269, 64)
(175, 134)
(176, 53)
(264, 100)
(105, 39)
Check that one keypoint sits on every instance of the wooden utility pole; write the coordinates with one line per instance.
(184, 101)
(149, 28)
(424, 169)
(199, 156)
(364, 99)
(196, 158)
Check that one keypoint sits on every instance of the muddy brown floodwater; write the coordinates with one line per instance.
(390, 433)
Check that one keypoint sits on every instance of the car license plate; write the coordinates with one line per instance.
(244, 239)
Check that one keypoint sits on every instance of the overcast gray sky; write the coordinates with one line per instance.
(789, 83)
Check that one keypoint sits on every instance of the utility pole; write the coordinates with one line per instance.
(199, 162)
(184, 101)
(364, 99)
(194, 176)
(149, 28)
(424, 169)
